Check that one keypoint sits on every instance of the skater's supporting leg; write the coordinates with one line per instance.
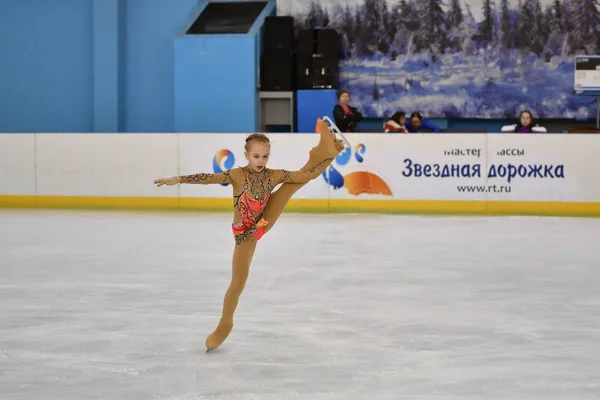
(242, 257)
(328, 148)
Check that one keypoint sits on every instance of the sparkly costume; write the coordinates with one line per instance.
(256, 209)
(252, 191)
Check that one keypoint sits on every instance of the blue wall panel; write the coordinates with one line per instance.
(151, 27)
(122, 49)
(106, 61)
(313, 104)
(109, 65)
(215, 78)
(46, 65)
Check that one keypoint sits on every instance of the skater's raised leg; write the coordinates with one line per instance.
(327, 149)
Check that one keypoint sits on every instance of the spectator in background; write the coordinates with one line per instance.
(345, 116)
(396, 124)
(525, 124)
(417, 122)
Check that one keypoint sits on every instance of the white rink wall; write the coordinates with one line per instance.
(418, 167)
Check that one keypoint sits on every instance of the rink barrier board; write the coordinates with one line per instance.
(116, 171)
(447, 207)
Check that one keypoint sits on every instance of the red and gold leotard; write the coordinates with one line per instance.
(251, 191)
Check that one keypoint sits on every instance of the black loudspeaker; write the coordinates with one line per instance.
(277, 72)
(279, 34)
(329, 43)
(322, 42)
(317, 73)
(306, 45)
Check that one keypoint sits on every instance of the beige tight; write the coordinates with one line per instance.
(242, 257)
(327, 148)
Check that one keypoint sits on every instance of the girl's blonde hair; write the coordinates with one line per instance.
(256, 137)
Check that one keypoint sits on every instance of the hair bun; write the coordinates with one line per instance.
(258, 137)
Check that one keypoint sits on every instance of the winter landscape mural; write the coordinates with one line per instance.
(460, 58)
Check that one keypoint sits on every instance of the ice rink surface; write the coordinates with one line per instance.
(116, 305)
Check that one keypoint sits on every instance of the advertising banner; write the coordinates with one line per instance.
(554, 168)
(409, 167)
(466, 167)
(17, 164)
(473, 173)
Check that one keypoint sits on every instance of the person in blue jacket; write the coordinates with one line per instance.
(417, 122)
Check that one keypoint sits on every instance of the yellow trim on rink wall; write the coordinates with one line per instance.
(448, 207)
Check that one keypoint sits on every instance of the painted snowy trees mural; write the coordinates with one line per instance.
(460, 58)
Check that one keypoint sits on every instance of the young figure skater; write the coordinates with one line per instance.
(256, 208)
(525, 124)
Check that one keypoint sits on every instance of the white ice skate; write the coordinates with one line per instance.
(336, 131)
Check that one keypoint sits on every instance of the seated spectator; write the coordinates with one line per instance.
(396, 123)
(344, 115)
(417, 124)
(524, 125)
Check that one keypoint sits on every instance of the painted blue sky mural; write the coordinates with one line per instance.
(462, 59)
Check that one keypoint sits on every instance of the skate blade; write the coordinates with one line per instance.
(336, 131)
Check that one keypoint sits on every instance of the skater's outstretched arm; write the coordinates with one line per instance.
(199, 179)
(207, 179)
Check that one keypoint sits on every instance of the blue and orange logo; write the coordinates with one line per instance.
(358, 182)
(227, 158)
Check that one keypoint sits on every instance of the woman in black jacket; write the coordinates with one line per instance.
(344, 115)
